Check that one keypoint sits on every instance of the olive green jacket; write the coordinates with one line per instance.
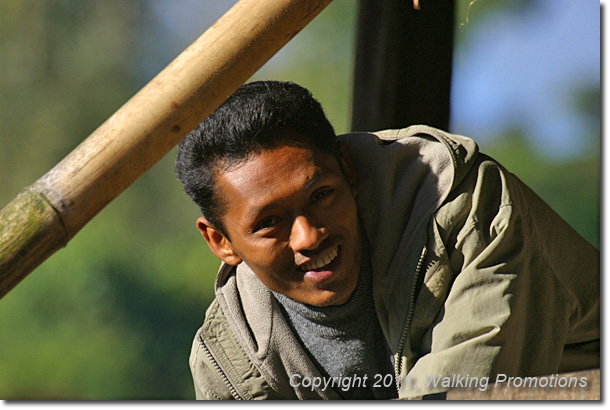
(474, 275)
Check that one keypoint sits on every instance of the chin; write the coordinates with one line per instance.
(334, 299)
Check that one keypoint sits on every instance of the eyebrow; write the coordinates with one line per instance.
(254, 212)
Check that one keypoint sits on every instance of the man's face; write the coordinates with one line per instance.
(292, 218)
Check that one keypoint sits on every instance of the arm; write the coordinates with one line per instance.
(525, 285)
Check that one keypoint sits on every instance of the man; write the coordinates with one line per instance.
(369, 265)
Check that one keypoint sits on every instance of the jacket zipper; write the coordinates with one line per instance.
(225, 378)
(407, 325)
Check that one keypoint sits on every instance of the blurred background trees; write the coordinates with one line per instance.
(112, 315)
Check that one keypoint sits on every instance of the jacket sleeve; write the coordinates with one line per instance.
(524, 295)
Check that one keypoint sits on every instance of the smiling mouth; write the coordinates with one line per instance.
(320, 262)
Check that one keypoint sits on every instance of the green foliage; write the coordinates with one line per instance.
(112, 315)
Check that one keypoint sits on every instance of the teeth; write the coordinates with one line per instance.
(323, 261)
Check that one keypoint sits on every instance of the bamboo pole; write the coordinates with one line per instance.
(47, 214)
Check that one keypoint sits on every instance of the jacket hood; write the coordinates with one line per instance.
(403, 178)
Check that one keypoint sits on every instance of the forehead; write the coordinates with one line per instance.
(269, 164)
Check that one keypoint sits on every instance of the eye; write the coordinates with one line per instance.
(321, 194)
(267, 223)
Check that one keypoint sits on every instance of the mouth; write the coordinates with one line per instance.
(320, 262)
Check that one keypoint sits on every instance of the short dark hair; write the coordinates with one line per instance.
(246, 124)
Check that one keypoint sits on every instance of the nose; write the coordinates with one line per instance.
(305, 236)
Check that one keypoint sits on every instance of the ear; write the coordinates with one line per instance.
(348, 168)
(218, 243)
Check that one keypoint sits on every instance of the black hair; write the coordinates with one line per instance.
(245, 124)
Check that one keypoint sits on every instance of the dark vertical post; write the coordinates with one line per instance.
(403, 64)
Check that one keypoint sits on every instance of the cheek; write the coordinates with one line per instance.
(272, 257)
(347, 212)
(279, 273)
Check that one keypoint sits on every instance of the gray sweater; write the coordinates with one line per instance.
(346, 341)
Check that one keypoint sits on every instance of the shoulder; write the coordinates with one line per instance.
(494, 219)
(220, 367)
(403, 176)
(208, 378)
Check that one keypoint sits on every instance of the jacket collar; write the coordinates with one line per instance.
(259, 324)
